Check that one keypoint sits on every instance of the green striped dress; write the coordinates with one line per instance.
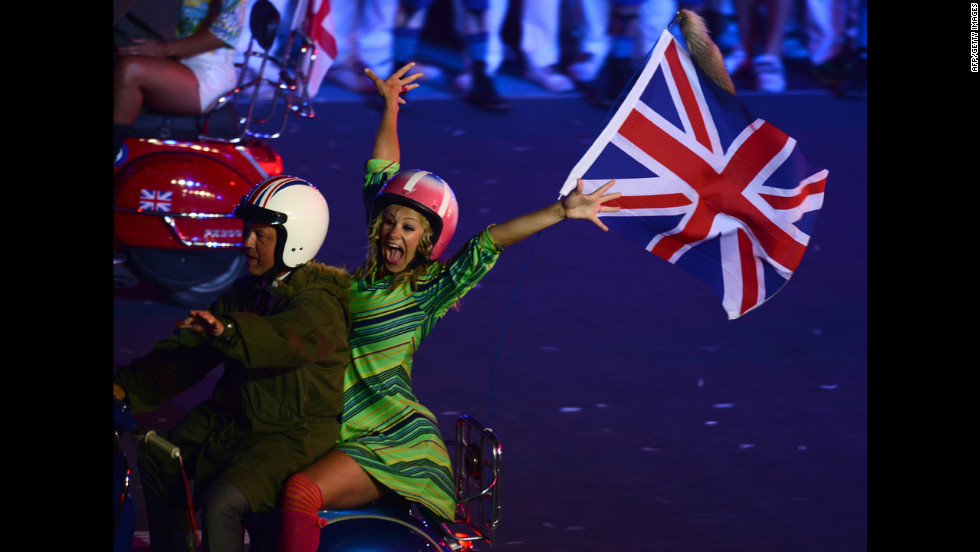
(384, 427)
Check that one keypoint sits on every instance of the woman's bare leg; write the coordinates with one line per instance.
(163, 84)
(343, 483)
(334, 482)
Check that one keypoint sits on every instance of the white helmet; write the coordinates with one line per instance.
(296, 209)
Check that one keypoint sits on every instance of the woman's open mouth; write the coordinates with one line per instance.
(393, 254)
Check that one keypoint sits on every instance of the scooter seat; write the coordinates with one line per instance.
(221, 123)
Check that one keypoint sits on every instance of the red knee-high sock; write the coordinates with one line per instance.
(299, 525)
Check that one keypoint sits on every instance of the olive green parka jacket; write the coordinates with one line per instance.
(284, 351)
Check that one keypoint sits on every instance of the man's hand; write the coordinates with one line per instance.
(202, 321)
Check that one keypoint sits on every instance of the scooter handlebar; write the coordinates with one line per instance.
(126, 422)
(152, 438)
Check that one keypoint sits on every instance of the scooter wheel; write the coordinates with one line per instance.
(188, 277)
(206, 292)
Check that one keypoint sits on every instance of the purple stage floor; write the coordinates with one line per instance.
(633, 414)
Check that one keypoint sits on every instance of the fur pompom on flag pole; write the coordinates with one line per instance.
(704, 51)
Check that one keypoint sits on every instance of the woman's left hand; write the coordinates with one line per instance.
(588, 206)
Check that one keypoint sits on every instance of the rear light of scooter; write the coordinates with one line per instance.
(464, 545)
(265, 157)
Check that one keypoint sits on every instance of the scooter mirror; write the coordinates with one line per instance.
(264, 23)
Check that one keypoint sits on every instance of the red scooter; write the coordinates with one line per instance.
(177, 179)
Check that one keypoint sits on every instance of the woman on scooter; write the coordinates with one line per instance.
(182, 76)
(389, 441)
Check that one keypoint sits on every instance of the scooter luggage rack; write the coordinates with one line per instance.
(478, 457)
(291, 90)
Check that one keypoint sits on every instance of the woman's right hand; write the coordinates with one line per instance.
(392, 88)
(143, 47)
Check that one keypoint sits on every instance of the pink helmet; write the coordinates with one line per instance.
(428, 194)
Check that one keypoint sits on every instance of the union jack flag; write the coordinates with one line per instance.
(155, 200)
(706, 185)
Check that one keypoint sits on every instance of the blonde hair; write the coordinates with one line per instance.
(373, 269)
